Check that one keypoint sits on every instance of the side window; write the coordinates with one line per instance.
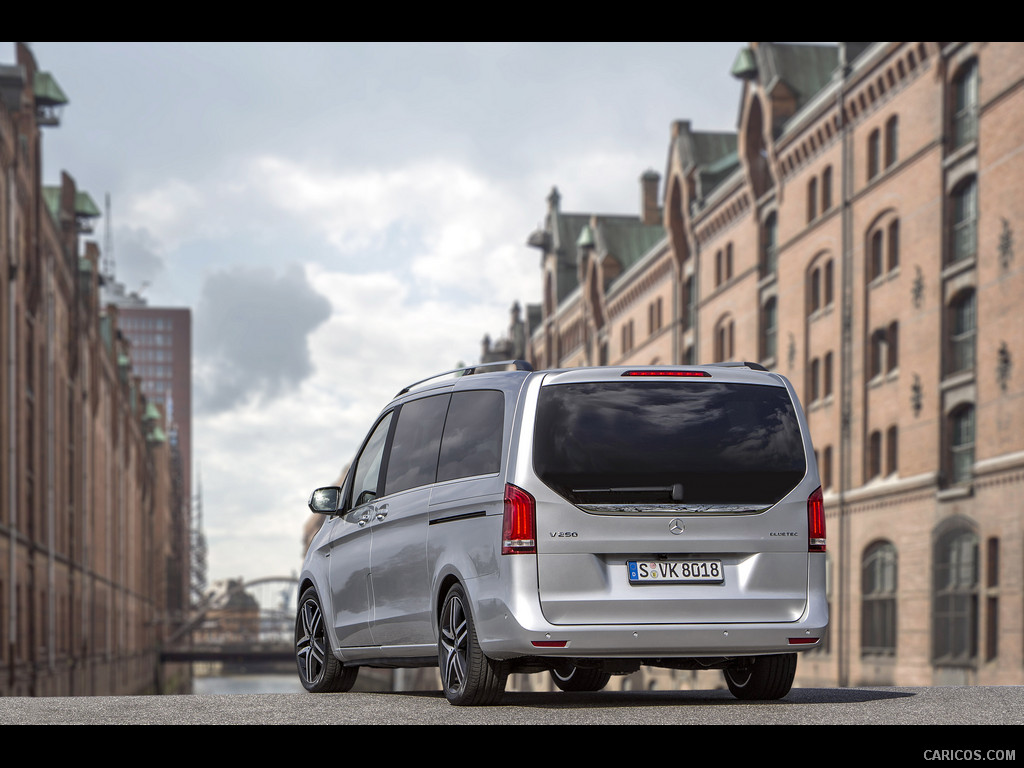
(366, 477)
(472, 435)
(414, 449)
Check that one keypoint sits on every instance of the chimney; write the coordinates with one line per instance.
(650, 212)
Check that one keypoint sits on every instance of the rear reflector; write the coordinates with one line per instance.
(519, 525)
(803, 640)
(686, 374)
(549, 643)
(815, 522)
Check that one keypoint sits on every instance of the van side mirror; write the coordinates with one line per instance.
(325, 501)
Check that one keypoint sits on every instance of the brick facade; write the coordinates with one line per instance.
(859, 234)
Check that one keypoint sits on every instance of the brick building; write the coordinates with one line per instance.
(858, 234)
(90, 520)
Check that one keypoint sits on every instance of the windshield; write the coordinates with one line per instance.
(668, 442)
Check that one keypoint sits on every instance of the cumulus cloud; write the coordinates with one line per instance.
(251, 335)
(140, 260)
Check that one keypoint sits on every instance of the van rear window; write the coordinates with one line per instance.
(668, 442)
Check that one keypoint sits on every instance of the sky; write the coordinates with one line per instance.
(346, 218)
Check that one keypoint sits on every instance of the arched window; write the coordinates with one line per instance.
(892, 127)
(878, 600)
(962, 332)
(955, 598)
(964, 221)
(965, 105)
(874, 151)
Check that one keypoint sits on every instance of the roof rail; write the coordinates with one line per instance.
(738, 364)
(518, 365)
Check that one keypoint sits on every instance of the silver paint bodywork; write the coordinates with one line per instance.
(382, 569)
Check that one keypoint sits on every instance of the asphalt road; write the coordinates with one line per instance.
(939, 706)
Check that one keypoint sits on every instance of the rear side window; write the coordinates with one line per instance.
(664, 442)
(472, 435)
(416, 443)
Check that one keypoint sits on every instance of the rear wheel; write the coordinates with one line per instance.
(467, 675)
(319, 670)
(569, 677)
(762, 677)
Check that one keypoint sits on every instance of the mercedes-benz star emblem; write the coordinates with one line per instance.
(676, 526)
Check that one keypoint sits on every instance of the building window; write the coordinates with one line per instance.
(728, 261)
(877, 353)
(690, 304)
(829, 270)
(877, 255)
(955, 608)
(874, 149)
(627, 338)
(814, 291)
(961, 444)
(894, 244)
(724, 339)
(965, 105)
(827, 375)
(812, 199)
(878, 600)
(965, 221)
(891, 450)
(769, 329)
(892, 343)
(874, 468)
(962, 332)
(719, 271)
(883, 248)
(992, 600)
(891, 140)
(826, 468)
(814, 379)
(826, 189)
(769, 246)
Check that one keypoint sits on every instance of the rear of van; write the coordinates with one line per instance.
(677, 512)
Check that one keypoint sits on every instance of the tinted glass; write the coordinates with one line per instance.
(472, 435)
(664, 442)
(367, 472)
(414, 449)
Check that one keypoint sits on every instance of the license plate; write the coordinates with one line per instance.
(675, 571)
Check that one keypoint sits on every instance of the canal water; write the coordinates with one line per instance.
(262, 683)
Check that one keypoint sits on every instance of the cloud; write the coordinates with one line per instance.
(139, 257)
(251, 328)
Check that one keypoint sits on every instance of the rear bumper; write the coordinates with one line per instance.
(510, 625)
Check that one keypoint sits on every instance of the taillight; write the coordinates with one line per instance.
(663, 372)
(815, 522)
(519, 527)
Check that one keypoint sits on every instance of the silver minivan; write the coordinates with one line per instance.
(578, 522)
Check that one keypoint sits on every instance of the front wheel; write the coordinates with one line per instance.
(467, 675)
(569, 677)
(762, 677)
(319, 669)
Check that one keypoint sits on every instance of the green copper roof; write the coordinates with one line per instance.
(85, 205)
(151, 412)
(47, 91)
(745, 65)
(586, 238)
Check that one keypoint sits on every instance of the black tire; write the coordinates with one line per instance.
(569, 677)
(319, 669)
(468, 677)
(762, 677)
